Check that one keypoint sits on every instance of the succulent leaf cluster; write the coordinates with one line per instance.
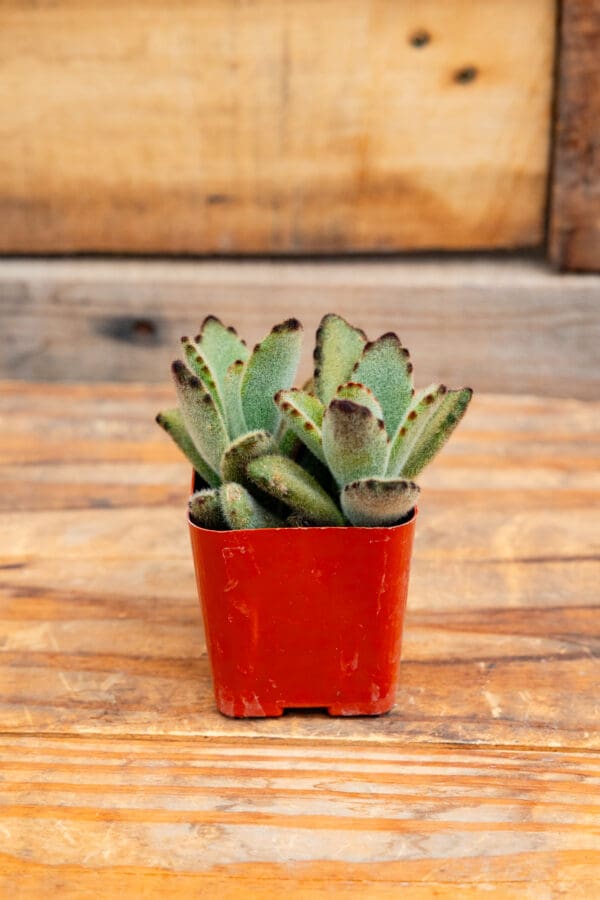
(343, 450)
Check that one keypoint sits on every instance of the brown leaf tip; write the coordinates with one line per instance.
(289, 325)
(231, 330)
(184, 339)
(409, 367)
(308, 426)
(208, 319)
(349, 408)
(179, 370)
(412, 415)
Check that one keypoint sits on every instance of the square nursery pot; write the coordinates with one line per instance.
(303, 617)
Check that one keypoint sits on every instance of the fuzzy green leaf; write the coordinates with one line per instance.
(287, 442)
(386, 369)
(202, 418)
(339, 346)
(220, 347)
(172, 422)
(361, 394)
(241, 510)
(205, 509)
(420, 412)
(239, 453)
(287, 481)
(355, 442)
(271, 367)
(303, 414)
(232, 399)
(437, 431)
(197, 364)
(376, 502)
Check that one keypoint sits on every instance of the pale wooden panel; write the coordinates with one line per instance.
(273, 126)
(498, 325)
(99, 620)
(266, 819)
(575, 196)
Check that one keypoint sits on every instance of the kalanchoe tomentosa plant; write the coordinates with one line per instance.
(344, 450)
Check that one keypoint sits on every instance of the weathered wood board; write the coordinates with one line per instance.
(119, 778)
(499, 325)
(272, 126)
(266, 819)
(575, 198)
(100, 623)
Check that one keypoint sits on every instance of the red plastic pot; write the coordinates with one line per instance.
(304, 617)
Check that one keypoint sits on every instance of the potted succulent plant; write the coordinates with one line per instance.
(303, 510)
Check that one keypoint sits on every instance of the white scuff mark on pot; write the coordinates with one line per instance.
(381, 590)
(349, 665)
(493, 703)
(225, 702)
(230, 552)
(375, 692)
(252, 706)
(242, 607)
(231, 585)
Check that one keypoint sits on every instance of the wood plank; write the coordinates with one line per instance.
(575, 194)
(266, 818)
(99, 621)
(503, 326)
(216, 127)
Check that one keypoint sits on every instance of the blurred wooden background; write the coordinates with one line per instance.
(273, 126)
(300, 129)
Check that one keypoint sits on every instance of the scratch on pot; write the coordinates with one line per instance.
(382, 583)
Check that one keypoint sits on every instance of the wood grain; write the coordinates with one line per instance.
(575, 195)
(498, 325)
(265, 818)
(100, 623)
(119, 779)
(216, 127)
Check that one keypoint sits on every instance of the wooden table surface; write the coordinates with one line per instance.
(117, 775)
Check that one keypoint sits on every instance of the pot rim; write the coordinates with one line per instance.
(303, 528)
